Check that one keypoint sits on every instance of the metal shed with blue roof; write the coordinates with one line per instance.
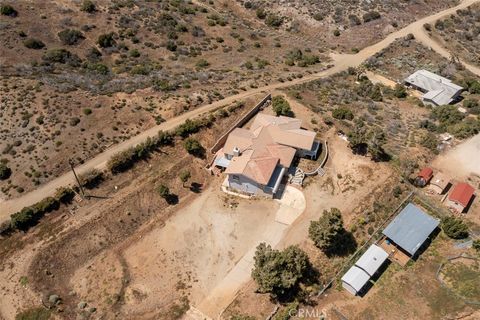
(410, 228)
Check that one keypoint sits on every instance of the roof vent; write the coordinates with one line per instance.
(236, 152)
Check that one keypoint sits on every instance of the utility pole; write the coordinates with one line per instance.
(76, 178)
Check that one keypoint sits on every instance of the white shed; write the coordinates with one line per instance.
(358, 275)
(354, 280)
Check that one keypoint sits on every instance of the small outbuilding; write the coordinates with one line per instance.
(410, 229)
(460, 197)
(355, 279)
(424, 177)
(439, 183)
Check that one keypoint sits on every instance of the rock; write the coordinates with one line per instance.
(82, 305)
(53, 299)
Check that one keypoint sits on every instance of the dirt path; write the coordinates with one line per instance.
(341, 63)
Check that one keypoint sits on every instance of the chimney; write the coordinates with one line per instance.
(236, 152)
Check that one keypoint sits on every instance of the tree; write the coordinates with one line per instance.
(280, 272)
(281, 106)
(194, 147)
(5, 171)
(357, 138)
(375, 145)
(454, 228)
(184, 176)
(22, 219)
(88, 6)
(326, 232)
(163, 191)
(400, 91)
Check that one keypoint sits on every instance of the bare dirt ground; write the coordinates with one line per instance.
(195, 249)
(461, 161)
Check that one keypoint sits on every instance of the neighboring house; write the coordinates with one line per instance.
(408, 232)
(439, 183)
(437, 89)
(356, 278)
(424, 177)
(256, 159)
(460, 197)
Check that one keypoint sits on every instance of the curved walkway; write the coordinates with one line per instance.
(341, 63)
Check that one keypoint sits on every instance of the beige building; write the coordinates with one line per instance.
(256, 159)
(439, 183)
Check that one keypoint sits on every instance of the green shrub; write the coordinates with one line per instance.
(342, 113)
(273, 20)
(32, 43)
(476, 245)
(106, 40)
(336, 33)
(202, 63)
(261, 13)
(61, 56)
(88, 6)
(91, 178)
(400, 91)
(5, 171)
(370, 16)
(454, 228)
(64, 194)
(194, 147)
(163, 191)
(8, 10)
(70, 36)
(281, 107)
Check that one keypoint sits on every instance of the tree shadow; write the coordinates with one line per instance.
(344, 244)
(196, 187)
(172, 199)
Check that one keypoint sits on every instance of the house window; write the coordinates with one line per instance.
(236, 178)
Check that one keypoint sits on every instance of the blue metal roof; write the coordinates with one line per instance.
(410, 228)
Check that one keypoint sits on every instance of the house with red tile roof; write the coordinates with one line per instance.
(424, 177)
(460, 197)
(256, 159)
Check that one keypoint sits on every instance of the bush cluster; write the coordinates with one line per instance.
(193, 126)
(342, 113)
(124, 160)
(281, 107)
(29, 216)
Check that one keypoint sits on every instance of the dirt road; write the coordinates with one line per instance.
(341, 63)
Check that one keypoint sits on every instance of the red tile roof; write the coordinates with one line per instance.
(462, 193)
(426, 174)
